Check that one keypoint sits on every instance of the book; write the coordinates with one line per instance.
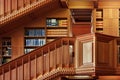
(63, 23)
(98, 14)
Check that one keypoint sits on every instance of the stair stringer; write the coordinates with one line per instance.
(57, 73)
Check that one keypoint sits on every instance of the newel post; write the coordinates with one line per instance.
(85, 53)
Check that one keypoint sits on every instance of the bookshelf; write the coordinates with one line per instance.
(38, 36)
(6, 49)
(34, 37)
(56, 27)
(99, 20)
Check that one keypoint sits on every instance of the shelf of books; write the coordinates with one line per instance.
(6, 49)
(34, 37)
(99, 20)
(56, 27)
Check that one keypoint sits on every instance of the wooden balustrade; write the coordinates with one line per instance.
(9, 6)
(10, 9)
(89, 54)
(43, 60)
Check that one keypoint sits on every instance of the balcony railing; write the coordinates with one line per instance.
(10, 9)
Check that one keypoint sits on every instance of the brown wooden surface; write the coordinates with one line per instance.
(78, 29)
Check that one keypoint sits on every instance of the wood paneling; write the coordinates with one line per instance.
(109, 4)
(17, 43)
(80, 29)
(81, 4)
(111, 13)
(111, 26)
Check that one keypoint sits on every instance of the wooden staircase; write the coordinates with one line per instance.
(67, 59)
(47, 62)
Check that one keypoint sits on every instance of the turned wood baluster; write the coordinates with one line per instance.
(55, 56)
(29, 62)
(48, 59)
(62, 53)
(3, 73)
(42, 62)
(23, 68)
(2, 4)
(35, 66)
(16, 70)
(10, 72)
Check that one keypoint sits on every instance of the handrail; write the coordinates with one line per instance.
(10, 9)
(43, 60)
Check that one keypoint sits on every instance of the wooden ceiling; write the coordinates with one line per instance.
(81, 15)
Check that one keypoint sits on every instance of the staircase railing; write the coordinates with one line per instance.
(10, 9)
(90, 54)
(42, 63)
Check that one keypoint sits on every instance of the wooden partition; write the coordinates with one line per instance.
(97, 54)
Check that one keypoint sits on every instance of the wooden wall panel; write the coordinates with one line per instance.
(111, 13)
(17, 42)
(111, 31)
(111, 26)
(79, 29)
(105, 50)
(109, 4)
(81, 4)
(102, 50)
(2, 9)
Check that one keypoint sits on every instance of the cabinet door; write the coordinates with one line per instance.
(110, 13)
